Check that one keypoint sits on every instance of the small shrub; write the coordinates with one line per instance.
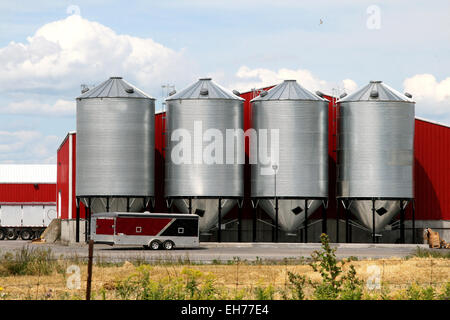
(445, 295)
(264, 293)
(28, 262)
(298, 284)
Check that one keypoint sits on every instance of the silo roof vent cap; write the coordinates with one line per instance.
(376, 81)
(409, 95)
(204, 92)
(263, 93)
(374, 94)
(343, 95)
(84, 90)
(319, 93)
(129, 90)
(236, 92)
(205, 79)
(115, 77)
(171, 93)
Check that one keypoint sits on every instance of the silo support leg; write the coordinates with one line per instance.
(240, 221)
(337, 221)
(276, 219)
(306, 221)
(402, 222)
(254, 223)
(324, 219)
(413, 221)
(219, 227)
(86, 226)
(89, 223)
(373, 221)
(77, 222)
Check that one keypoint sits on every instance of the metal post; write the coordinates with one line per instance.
(337, 221)
(219, 227)
(414, 221)
(107, 204)
(190, 205)
(373, 221)
(324, 218)
(77, 223)
(306, 221)
(402, 222)
(276, 219)
(128, 204)
(240, 220)
(89, 275)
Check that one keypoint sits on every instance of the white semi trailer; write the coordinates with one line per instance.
(25, 221)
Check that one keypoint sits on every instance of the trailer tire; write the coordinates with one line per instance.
(26, 234)
(11, 234)
(155, 245)
(168, 245)
(2, 234)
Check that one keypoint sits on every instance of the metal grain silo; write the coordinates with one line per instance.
(298, 184)
(375, 154)
(115, 147)
(195, 185)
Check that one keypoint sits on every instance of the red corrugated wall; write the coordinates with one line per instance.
(62, 184)
(27, 193)
(432, 171)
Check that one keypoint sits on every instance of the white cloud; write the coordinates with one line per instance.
(32, 107)
(260, 77)
(65, 53)
(432, 97)
(27, 147)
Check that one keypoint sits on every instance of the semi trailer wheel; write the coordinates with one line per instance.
(168, 245)
(26, 234)
(11, 234)
(2, 234)
(155, 245)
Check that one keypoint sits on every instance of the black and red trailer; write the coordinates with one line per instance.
(151, 230)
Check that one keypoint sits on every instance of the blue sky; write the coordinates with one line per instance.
(49, 48)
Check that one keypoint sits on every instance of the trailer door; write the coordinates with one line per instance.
(104, 226)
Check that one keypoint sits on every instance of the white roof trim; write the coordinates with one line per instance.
(28, 173)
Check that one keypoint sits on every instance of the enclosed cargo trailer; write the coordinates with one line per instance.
(151, 230)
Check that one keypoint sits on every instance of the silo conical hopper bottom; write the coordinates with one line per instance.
(385, 211)
(291, 212)
(206, 209)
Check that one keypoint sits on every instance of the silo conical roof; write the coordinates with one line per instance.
(376, 91)
(205, 88)
(289, 90)
(115, 87)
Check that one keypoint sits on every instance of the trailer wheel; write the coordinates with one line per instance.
(11, 234)
(26, 234)
(2, 234)
(155, 245)
(168, 245)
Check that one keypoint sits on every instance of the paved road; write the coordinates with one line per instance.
(208, 252)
